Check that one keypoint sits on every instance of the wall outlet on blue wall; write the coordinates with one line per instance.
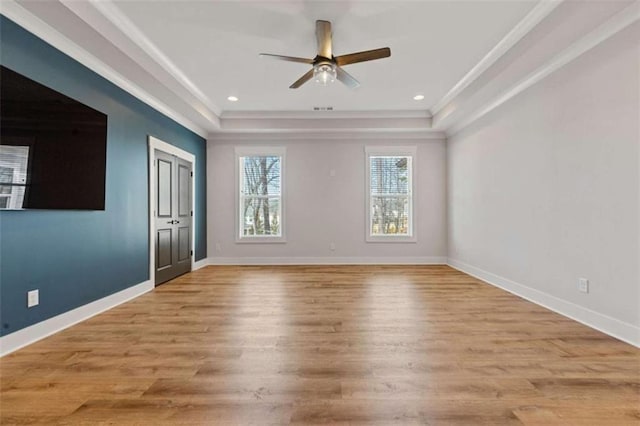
(66, 239)
(33, 298)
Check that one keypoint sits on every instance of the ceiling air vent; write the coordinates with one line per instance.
(323, 108)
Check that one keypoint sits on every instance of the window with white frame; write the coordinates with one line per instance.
(13, 175)
(260, 189)
(390, 194)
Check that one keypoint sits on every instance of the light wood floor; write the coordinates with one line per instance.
(338, 345)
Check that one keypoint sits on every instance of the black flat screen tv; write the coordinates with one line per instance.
(53, 149)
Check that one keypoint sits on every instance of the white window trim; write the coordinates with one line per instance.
(246, 151)
(410, 151)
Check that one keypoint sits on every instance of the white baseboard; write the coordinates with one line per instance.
(21, 338)
(613, 327)
(418, 260)
(200, 264)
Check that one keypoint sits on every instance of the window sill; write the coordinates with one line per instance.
(391, 239)
(261, 240)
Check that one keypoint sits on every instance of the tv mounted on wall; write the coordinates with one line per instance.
(53, 149)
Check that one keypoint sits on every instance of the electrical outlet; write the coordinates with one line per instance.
(33, 298)
(332, 246)
(218, 248)
(583, 285)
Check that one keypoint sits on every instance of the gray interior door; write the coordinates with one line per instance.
(173, 224)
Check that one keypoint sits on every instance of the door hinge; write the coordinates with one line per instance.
(191, 252)
(191, 174)
(191, 213)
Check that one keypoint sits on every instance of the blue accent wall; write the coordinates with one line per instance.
(76, 257)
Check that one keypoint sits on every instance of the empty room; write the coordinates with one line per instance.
(348, 212)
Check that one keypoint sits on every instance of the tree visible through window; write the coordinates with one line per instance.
(390, 195)
(260, 196)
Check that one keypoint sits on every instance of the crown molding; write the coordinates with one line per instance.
(325, 122)
(604, 31)
(349, 121)
(526, 25)
(105, 18)
(206, 119)
(323, 134)
(41, 29)
(324, 115)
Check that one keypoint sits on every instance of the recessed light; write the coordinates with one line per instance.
(232, 98)
(418, 97)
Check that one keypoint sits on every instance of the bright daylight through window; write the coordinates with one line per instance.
(260, 196)
(13, 175)
(390, 197)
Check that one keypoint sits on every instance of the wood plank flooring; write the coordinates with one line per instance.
(374, 345)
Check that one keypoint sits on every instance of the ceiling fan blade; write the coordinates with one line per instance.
(367, 55)
(287, 58)
(346, 78)
(302, 80)
(323, 35)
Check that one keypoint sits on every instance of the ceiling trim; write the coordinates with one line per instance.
(323, 115)
(41, 29)
(526, 25)
(604, 31)
(324, 134)
(328, 123)
(131, 31)
(119, 30)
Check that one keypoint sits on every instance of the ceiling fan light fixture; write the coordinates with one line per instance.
(324, 73)
(327, 68)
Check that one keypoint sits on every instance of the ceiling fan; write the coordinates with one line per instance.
(326, 67)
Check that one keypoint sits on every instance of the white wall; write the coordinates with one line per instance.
(321, 209)
(545, 189)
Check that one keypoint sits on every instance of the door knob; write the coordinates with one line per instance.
(171, 222)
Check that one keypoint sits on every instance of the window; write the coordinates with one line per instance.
(390, 194)
(260, 188)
